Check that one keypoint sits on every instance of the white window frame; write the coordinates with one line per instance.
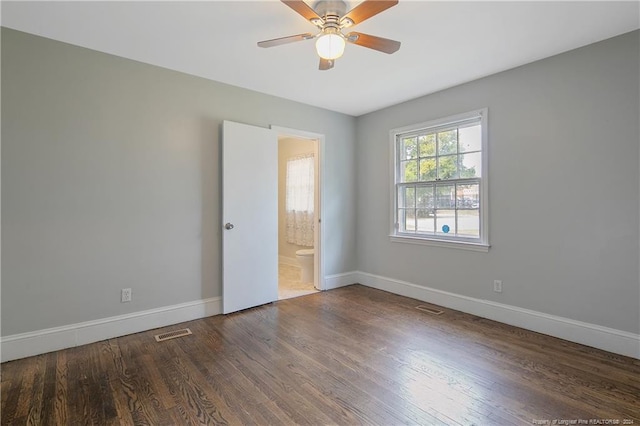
(475, 244)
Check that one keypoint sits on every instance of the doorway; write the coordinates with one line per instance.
(299, 213)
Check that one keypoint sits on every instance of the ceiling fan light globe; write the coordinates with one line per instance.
(330, 46)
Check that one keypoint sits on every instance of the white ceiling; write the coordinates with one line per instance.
(443, 43)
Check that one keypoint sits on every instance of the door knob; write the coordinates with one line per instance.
(228, 225)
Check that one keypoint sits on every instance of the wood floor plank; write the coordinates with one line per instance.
(34, 415)
(189, 386)
(349, 356)
(61, 400)
(12, 387)
(30, 373)
(49, 390)
(85, 406)
(112, 363)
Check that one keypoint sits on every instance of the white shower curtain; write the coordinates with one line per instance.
(299, 200)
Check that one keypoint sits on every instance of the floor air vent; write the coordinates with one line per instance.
(429, 310)
(172, 334)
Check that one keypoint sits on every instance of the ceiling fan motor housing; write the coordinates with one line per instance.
(326, 8)
(331, 12)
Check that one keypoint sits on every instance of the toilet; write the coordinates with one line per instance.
(305, 260)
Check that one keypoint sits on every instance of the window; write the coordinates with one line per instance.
(440, 182)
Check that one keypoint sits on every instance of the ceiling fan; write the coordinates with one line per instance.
(330, 17)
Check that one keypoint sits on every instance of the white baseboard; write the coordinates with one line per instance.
(42, 341)
(608, 339)
(52, 339)
(340, 280)
(292, 261)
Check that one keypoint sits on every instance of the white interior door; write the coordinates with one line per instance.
(249, 216)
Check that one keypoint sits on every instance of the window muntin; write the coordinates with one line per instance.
(440, 191)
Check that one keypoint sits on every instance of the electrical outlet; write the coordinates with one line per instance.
(126, 295)
(497, 286)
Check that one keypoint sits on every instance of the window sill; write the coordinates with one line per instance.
(460, 245)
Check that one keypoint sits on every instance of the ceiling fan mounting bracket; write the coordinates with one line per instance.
(330, 12)
(325, 8)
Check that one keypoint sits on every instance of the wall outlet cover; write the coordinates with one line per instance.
(125, 295)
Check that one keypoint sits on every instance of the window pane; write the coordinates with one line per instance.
(448, 167)
(469, 223)
(299, 184)
(468, 196)
(407, 197)
(446, 222)
(425, 220)
(410, 220)
(409, 171)
(401, 220)
(409, 148)
(471, 165)
(424, 197)
(447, 142)
(470, 138)
(427, 145)
(428, 169)
(446, 197)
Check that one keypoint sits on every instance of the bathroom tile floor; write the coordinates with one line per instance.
(289, 284)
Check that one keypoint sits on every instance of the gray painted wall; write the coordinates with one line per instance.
(110, 179)
(564, 188)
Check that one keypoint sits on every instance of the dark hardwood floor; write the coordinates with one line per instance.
(354, 355)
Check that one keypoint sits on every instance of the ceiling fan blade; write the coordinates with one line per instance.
(302, 8)
(285, 40)
(367, 9)
(372, 42)
(326, 64)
